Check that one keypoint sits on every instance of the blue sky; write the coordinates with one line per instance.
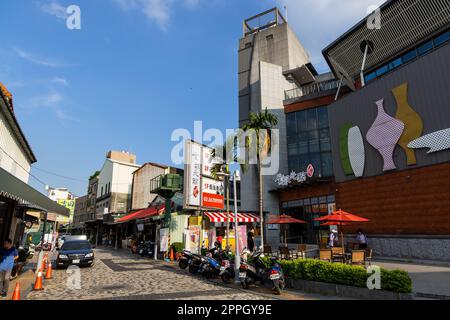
(137, 70)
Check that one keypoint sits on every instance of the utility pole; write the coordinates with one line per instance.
(237, 256)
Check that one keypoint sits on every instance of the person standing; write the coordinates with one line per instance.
(250, 241)
(8, 255)
(332, 238)
(361, 239)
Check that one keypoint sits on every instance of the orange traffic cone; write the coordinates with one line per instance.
(16, 294)
(171, 254)
(38, 283)
(48, 274)
(44, 262)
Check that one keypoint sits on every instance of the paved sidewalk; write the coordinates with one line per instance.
(429, 281)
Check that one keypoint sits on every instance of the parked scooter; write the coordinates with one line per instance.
(276, 274)
(227, 267)
(145, 249)
(252, 272)
(196, 263)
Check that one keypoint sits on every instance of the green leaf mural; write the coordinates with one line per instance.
(343, 148)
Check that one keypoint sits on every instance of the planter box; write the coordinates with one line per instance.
(339, 290)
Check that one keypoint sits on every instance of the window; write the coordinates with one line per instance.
(425, 48)
(382, 70)
(409, 56)
(396, 63)
(311, 144)
(102, 192)
(370, 76)
(443, 38)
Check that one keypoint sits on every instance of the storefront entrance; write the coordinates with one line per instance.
(308, 209)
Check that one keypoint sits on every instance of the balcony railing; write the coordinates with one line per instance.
(310, 89)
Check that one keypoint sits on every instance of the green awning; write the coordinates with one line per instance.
(17, 190)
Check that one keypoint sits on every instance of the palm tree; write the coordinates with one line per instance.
(260, 123)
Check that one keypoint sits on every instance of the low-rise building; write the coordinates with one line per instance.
(17, 198)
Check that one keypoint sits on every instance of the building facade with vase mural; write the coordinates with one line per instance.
(390, 135)
(378, 140)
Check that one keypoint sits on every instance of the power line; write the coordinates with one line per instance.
(58, 175)
(37, 179)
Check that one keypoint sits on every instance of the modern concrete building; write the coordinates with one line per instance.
(332, 123)
(271, 61)
(390, 136)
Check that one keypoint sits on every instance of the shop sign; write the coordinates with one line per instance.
(201, 190)
(300, 177)
(193, 165)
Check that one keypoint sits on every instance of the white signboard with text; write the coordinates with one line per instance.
(201, 190)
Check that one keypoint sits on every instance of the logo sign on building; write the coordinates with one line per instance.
(300, 177)
(201, 190)
(310, 171)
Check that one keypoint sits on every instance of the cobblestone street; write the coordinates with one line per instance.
(119, 275)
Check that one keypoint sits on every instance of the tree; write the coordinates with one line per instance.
(261, 123)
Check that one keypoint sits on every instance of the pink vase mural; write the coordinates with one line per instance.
(384, 135)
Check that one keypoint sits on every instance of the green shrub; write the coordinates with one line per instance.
(322, 271)
(178, 247)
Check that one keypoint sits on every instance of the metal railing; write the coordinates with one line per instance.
(310, 89)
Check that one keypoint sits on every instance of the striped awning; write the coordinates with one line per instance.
(222, 217)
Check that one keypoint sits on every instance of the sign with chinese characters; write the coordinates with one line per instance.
(201, 190)
(193, 163)
(300, 177)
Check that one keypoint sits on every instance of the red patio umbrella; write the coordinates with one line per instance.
(284, 219)
(341, 218)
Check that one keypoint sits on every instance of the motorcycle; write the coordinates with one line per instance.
(276, 274)
(227, 272)
(145, 248)
(252, 272)
(185, 259)
(210, 267)
(196, 263)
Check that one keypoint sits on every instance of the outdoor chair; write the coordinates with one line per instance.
(368, 256)
(285, 253)
(268, 251)
(325, 255)
(323, 245)
(337, 254)
(358, 257)
(301, 251)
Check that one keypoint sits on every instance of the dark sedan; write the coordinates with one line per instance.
(75, 252)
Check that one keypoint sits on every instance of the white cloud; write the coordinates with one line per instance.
(60, 81)
(34, 59)
(52, 101)
(49, 100)
(318, 22)
(55, 9)
(159, 11)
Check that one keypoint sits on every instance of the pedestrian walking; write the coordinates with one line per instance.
(8, 255)
(361, 239)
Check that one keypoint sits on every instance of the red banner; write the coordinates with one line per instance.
(211, 200)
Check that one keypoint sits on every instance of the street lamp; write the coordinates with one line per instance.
(227, 186)
(237, 256)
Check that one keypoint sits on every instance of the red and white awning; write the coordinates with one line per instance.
(222, 217)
